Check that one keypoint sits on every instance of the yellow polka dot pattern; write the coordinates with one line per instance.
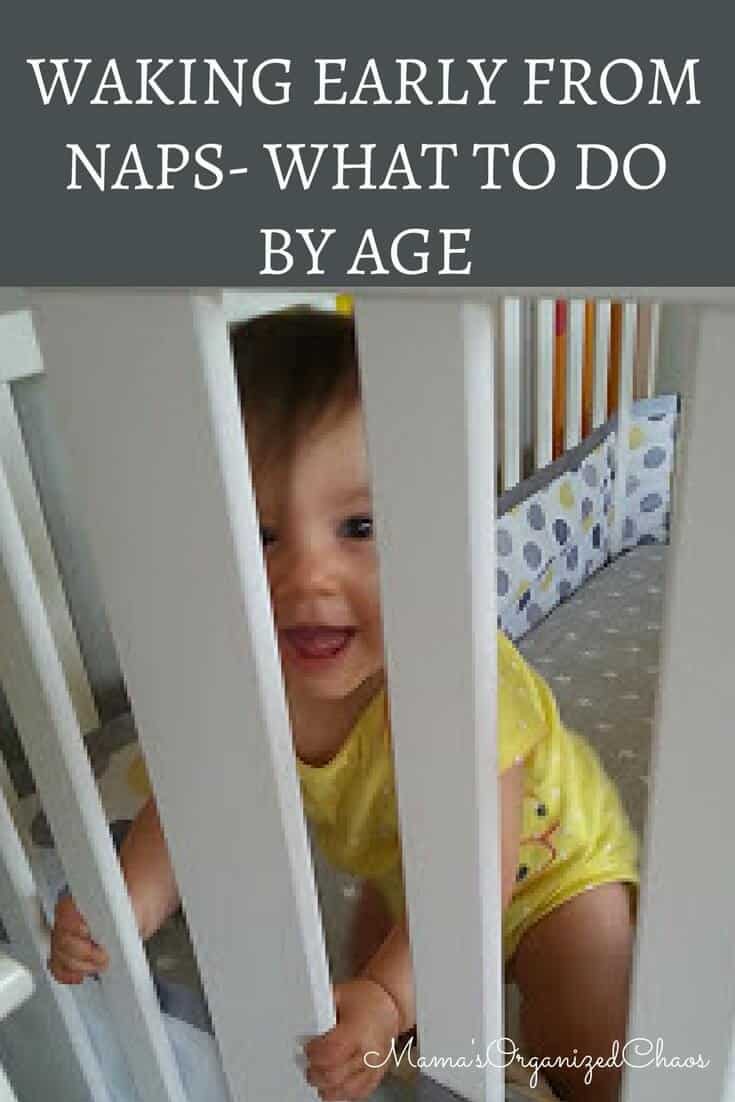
(637, 437)
(566, 495)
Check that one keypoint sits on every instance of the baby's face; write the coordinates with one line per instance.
(316, 520)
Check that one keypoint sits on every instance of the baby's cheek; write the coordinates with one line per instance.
(274, 575)
(371, 628)
(374, 621)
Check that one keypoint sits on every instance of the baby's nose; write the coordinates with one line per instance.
(311, 570)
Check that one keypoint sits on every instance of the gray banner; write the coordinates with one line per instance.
(137, 181)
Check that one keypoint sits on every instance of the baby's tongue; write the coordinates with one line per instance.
(318, 642)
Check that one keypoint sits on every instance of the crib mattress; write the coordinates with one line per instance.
(599, 650)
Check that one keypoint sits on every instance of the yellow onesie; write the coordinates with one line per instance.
(575, 833)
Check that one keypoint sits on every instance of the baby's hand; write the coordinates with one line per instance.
(74, 955)
(349, 1061)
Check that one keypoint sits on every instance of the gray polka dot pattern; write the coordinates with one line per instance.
(651, 502)
(532, 555)
(504, 541)
(654, 457)
(561, 533)
(536, 517)
(648, 470)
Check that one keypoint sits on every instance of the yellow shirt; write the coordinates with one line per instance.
(575, 833)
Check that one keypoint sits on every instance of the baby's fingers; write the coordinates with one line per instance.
(331, 1048)
(331, 1078)
(68, 916)
(65, 975)
(74, 954)
(358, 1086)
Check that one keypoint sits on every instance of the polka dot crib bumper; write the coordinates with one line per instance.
(553, 531)
(650, 462)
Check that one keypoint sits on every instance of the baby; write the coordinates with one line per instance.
(568, 854)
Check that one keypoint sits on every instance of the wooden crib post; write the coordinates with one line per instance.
(145, 393)
(427, 367)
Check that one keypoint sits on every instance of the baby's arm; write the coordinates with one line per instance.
(148, 873)
(380, 1002)
(153, 893)
(391, 965)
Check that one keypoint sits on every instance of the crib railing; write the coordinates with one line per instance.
(575, 378)
(142, 385)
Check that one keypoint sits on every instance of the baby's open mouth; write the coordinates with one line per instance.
(317, 641)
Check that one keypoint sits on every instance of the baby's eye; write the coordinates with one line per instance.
(357, 528)
(267, 536)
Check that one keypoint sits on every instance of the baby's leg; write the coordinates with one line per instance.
(371, 924)
(573, 972)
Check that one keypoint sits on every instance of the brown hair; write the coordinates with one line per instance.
(291, 368)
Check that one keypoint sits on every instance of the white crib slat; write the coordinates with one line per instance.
(728, 1093)
(145, 392)
(575, 352)
(654, 336)
(16, 984)
(14, 459)
(625, 401)
(644, 375)
(241, 305)
(19, 355)
(544, 381)
(432, 468)
(602, 354)
(68, 1068)
(511, 389)
(13, 300)
(684, 990)
(35, 686)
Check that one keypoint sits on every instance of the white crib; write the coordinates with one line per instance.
(146, 403)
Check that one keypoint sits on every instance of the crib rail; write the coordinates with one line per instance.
(683, 986)
(153, 432)
(33, 678)
(23, 354)
(544, 377)
(70, 1064)
(434, 526)
(577, 376)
